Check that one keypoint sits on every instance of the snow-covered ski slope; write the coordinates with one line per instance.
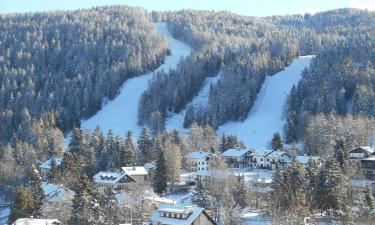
(120, 115)
(266, 116)
(176, 121)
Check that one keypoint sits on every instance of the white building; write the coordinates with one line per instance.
(258, 158)
(237, 158)
(181, 215)
(31, 221)
(115, 180)
(46, 166)
(138, 173)
(281, 157)
(360, 152)
(198, 160)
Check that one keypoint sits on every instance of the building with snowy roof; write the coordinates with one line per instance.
(31, 221)
(113, 179)
(137, 173)
(46, 166)
(181, 215)
(56, 192)
(237, 158)
(267, 159)
(198, 161)
(368, 167)
(361, 152)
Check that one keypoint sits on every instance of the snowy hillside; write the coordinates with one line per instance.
(265, 117)
(120, 115)
(176, 121)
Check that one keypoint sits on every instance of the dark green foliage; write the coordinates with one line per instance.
(127, 155)
(37, 192)
(145, 147)
(160, 175)
(53, 173)
(276, 142)
(23, 206)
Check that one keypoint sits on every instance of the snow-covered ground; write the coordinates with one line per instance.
(266, 116)
(120, 115)
(176, 121)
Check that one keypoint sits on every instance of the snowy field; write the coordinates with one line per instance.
(120, 115)
(266, 116)
(176, 121)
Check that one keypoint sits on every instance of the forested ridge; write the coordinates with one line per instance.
(66, 63)
(245, 49)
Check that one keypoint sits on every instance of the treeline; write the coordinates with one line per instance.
(340, 80)
(67, 63)
(246, 50)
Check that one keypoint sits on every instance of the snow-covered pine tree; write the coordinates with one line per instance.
(276, 142)
(160, 175)
(37, 192)
(76, 145)
(53, 173)
(145, 146)
(127, 155)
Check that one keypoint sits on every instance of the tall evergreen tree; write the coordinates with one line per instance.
(53, 173)
(276, 142)
(145, 146)
(76, 145)
(160, 175)
(127, 155)
(83, 210)
(37, 192)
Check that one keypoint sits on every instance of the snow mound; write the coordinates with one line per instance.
(266, 116)
(121, 114)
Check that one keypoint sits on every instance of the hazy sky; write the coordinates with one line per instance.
(244, 7)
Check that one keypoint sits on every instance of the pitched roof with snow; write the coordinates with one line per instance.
(108, 177)
(360, 149)
(31, 221)
(235, 152)
(47, 164)
(197, 155)
(276, 154)
(261, 152)
(193, 213)
(149, 166)
(134, 170)
(54, 192)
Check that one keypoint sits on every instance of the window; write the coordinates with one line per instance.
(261, 159)
(268, 160)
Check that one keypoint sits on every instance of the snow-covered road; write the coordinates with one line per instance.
(121, 114)
(266, 116)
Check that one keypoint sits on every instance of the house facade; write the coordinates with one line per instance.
(115, 180)
(368, 167)
(198, 161)
(181, 215)
(237, 158)
(137, 173)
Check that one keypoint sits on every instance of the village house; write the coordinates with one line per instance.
(281, 157)
(237, 158)
(31, 221)
(198, 161)
(181, 215)
(137, 173)
(46, 166)
(360, 152)
(113, 179)
(56, 192)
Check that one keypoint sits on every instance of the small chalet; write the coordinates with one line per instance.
(237, 158)
(116, 180)
(360, 152)
(181, 215)
(46, 166)
(258, 158)
(198, 160)
(137, 173)
(281, 157)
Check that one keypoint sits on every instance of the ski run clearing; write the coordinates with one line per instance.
(266, 116)
(264, 119)
(121, 114)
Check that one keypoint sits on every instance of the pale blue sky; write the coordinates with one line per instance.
(244, 7)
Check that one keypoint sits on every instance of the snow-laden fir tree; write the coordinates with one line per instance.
(127, 155)
(53, 173)
(160, 175)
(37, 192)
(145, 146)
(276, 142)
